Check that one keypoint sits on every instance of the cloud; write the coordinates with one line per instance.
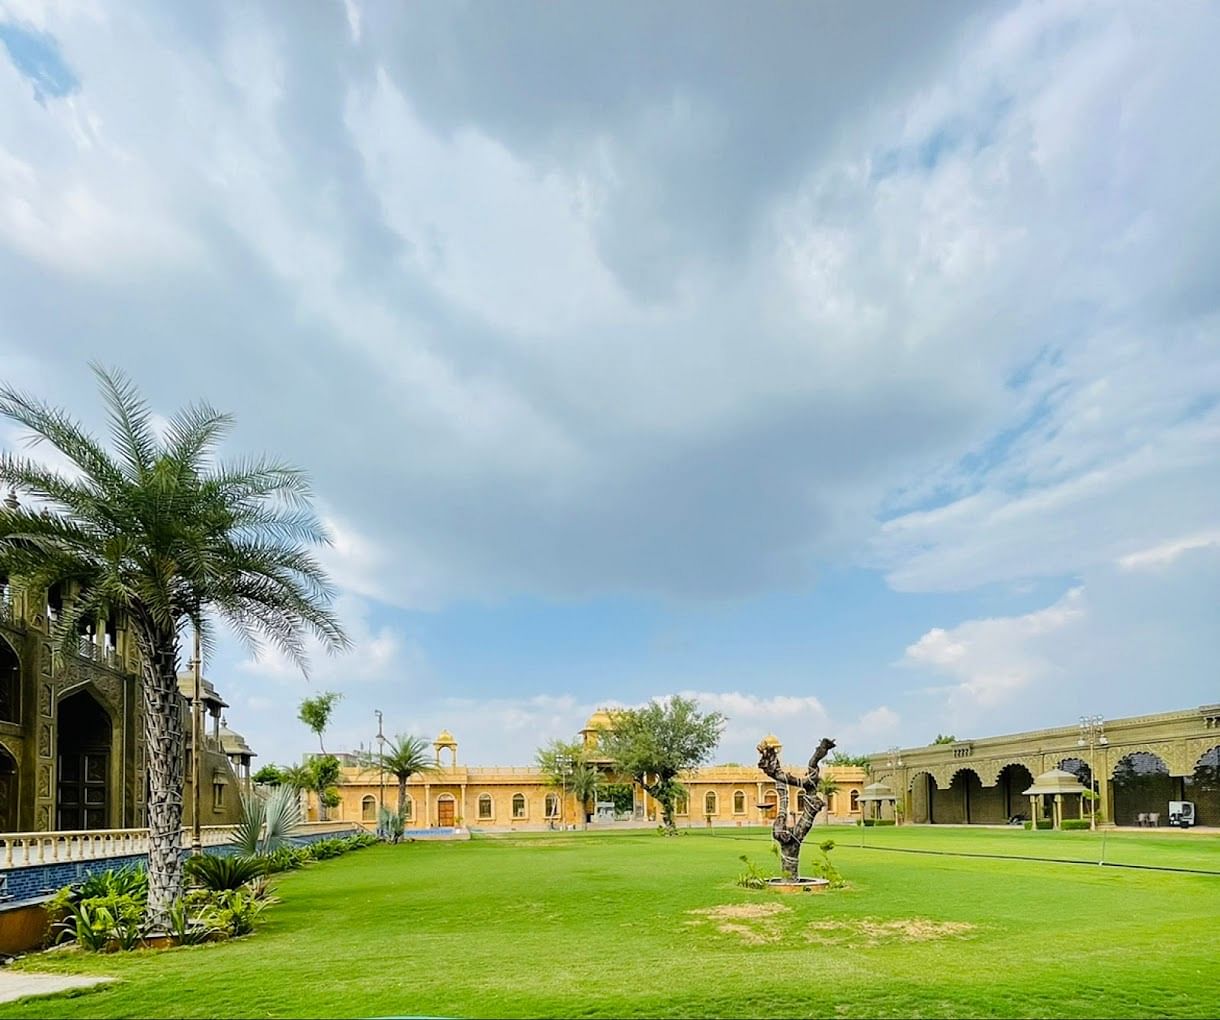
(1167, 552)
(992, 661)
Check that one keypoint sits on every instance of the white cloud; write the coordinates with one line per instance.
(1167, 552)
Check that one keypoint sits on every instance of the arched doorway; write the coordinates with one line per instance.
(1203, 787)
(965, 791)
(923, 798)
(8, 792)
(10, 683)
(446, 811)
(1013, 781)
(1079, 768)
(1142, 786)
(82, 790)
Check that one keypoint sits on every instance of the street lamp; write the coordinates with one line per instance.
(196, 744)
(380, 768)
(1092, 733)
(894, 756)
(563, 762)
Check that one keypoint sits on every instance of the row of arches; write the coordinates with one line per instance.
(446, 808)
(1140, 784)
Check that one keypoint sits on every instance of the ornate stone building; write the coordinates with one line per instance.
(1136, 766)
(71, 727)
(521, 797)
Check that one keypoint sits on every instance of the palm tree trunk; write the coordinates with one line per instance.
(402, 795)
(164, 744)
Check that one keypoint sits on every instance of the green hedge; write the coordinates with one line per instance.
(1075, 823)
(868, 822)
(1043, 823)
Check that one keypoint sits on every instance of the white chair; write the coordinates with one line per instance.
(1154, 819)
(1141, 819)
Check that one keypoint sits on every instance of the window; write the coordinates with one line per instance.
(518, 805)
(218, 796)
(552, 806)
(408, 809)
(484, 805)
(709, 802)
(681, 805)
(855, 800)
(739, 802)
(368, 809)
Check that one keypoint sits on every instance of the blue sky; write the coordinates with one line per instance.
(859, 378)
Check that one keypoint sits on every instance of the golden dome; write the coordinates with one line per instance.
(770, 740)
(599, 720)
(445, 739)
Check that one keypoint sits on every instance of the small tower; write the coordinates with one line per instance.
(445, 741)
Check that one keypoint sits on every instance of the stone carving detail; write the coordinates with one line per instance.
(44, 740)
(47, 657)
(44, 818)
(44, 699)
(44, 780)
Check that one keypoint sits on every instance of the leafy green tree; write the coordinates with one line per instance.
(298, 777)
(161, 535)
(566, 767)
(323, 775)
(269, 775)
(315, 713)
(944, 738)
(858, 760)
(404, 756)
(584, 782)
(656, 743)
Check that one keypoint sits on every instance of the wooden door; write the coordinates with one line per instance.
(444, 813)
(81, 800)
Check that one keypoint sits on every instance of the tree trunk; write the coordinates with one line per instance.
(790, 837)
(164, 744)
(402, 796)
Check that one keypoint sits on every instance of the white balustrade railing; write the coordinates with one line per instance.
(26, 849)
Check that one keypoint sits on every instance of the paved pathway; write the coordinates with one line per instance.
(16, 983)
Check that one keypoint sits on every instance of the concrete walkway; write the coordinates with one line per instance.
(16, 983)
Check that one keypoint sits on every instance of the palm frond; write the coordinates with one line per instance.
(130, 422)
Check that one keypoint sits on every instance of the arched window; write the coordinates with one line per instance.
(10, 683)
(368, 809)
(709, 802)
(552, 805)
(739, 802)
(855, 800)
(408, 809)
(681, 804)
(518, 805)
(484, 805)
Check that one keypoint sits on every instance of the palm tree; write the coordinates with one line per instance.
(403, 757)
(827, 786)
(161, 535)
(583, 782)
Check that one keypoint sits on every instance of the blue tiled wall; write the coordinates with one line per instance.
(41, 879)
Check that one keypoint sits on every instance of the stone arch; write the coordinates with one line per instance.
(1141, 785)
(1012, 782)
(711, 803)
(1202, 787)
(9, 790)
(10, 682)
(739, 802)
(965, 786)
(446, 811)
(923, 787)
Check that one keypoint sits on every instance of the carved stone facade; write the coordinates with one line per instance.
(1185, 745)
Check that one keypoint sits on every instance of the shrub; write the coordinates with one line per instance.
(232, 911)
(752, 877)
(287, 858)
(217, 873)
(102, 922)
(1043, 823)
(1075, 824)
(824, 869)
(870, 822)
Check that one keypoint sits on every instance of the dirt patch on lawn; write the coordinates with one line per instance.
(755, 923)
(871, 931)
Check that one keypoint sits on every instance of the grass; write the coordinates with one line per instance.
(633, 924)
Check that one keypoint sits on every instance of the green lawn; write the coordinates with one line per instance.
(606, 925)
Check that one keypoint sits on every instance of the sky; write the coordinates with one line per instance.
(858, 376)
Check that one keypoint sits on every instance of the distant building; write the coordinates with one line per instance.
(1142, 764)
(521, 797)
(72, 753)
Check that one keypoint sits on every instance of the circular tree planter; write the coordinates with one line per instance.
(797, 885)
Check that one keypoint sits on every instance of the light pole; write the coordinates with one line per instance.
(380, 768)
(563, 762)
(895, 762)
(196, 745)
(1092, 733)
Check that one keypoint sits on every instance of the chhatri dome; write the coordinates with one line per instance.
(770, 740)
(444, 739)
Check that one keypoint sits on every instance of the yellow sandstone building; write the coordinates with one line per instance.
(521, 797)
